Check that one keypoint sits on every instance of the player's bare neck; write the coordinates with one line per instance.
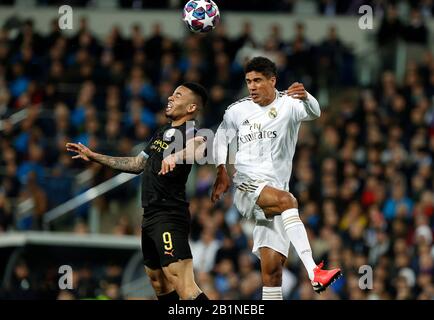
(177, 123)
(268, 100)
(180, 121)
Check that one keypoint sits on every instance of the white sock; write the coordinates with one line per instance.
(297, 234)
(272, 293)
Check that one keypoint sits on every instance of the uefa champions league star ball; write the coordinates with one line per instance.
(201, 15)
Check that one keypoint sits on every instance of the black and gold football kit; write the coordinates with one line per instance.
(166, 217)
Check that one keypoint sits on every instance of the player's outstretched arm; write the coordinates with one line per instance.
(125, 164)
(194, 150)
(221, 184)
(311, 105)
(226, 132)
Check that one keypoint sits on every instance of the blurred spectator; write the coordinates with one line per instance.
(23, 285)
(6, 218)
(398, 204)
(391, 28)
(37, 196)
(204, 251)
(416, 31)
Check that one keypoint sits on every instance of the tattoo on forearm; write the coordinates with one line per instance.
(125, 164)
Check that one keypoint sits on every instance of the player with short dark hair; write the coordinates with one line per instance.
(266, 125)
(262, 65)
(166, 216)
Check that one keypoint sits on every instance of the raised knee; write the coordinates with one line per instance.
(287, 201)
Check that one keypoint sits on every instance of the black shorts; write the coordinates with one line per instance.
(165, 239)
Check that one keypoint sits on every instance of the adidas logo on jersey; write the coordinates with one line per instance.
(246, 123)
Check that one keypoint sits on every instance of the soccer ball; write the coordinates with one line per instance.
(201, 15)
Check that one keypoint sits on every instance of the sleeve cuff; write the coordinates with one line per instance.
(143, 153)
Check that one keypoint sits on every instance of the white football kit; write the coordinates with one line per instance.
(266, 140)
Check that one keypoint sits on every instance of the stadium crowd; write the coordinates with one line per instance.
(362, 173)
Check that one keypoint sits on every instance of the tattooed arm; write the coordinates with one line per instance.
(125, 164)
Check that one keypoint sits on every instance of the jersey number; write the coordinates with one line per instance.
(167, 239)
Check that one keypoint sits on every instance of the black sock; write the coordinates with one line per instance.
(202, 296)
(171, 296)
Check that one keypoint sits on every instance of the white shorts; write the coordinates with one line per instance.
(245, 197)
(268, 232)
